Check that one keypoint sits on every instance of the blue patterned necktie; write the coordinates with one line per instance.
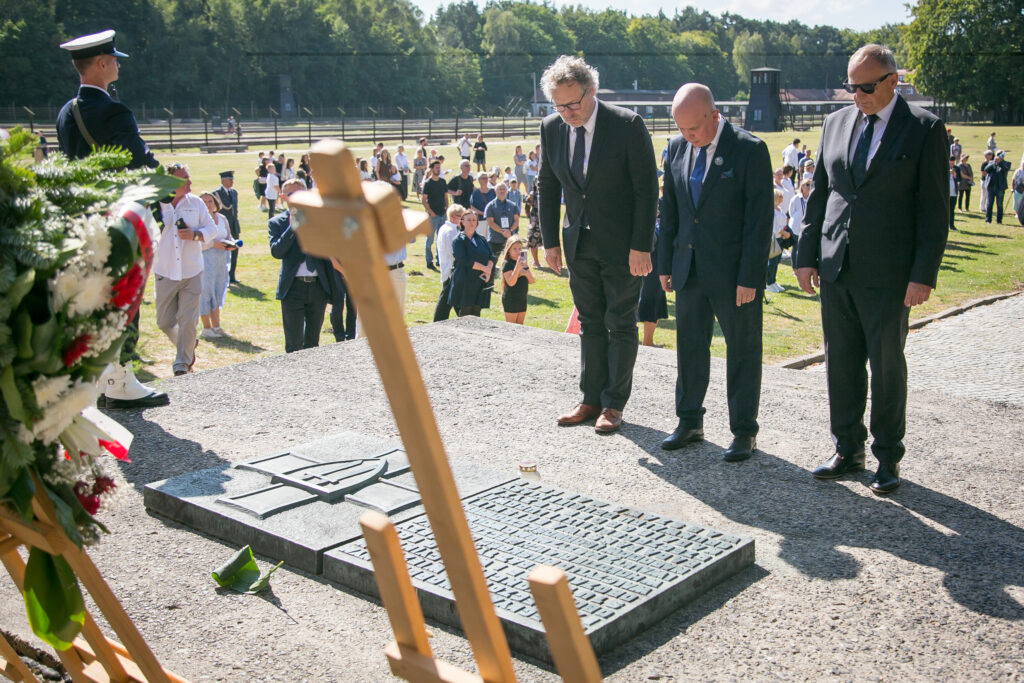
(579, 150)
(859, 168)
(697, 175)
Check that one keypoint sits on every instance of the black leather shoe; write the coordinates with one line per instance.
(838, 465)
(153, 400)
(682, 436)
(887, 479)
(741, 448)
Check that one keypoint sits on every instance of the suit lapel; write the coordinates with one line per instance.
(846, 132)
(900, 114)
(717, 164)
(596, 147)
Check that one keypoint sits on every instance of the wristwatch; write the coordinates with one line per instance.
(195, 235)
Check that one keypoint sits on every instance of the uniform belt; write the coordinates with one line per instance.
(400, 264)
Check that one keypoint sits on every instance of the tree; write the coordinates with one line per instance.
(969, 53)
(748, 52)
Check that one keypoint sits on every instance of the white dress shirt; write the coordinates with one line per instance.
(876, 138)
(791, 156)
(694, 151)
(178, 259)
(402, 161)
(446, 235)
(797, 209)
(588, 139)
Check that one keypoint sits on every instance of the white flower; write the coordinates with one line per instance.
(96, 235)
(48, 389)
(63, 287)
(59, 415)
(93, 293)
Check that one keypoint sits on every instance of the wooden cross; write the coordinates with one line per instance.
(356, 224)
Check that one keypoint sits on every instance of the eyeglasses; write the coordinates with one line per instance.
(571, 106)
(867, 88)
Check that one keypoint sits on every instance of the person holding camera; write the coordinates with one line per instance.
(471, 272)
(178, 268)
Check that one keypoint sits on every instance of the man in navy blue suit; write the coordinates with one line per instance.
(93, 118)
(304, 283)
(712, 251)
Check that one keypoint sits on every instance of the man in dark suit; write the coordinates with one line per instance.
(712, 251)
(304, 283)
(600, 157)
(873, 238)
(93, 118)
(997, 171)
(228, 197)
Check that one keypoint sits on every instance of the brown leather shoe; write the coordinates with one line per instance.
(609, 421)
(578, 415)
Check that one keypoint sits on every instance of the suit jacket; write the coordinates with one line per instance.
(108, 122)
(729, 231)
(229, 200)
(619, 195)
(891, 229)
(997, 172)
(284, 245)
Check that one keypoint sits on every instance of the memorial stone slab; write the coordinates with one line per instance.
(627, 568)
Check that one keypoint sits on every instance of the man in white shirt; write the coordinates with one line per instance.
(446, 235)
(402, 164)
(464, 146)
(791, 154)
(178, 268)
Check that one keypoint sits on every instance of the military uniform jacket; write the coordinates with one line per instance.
(229, 200)
(108, 122)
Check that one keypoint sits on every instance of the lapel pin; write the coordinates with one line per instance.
(718, 161)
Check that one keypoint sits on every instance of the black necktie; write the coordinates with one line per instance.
(578, 152)
(860, 156)
(311, 264)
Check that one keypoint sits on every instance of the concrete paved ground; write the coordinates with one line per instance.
(925, 585)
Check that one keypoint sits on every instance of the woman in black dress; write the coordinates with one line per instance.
(515, 280)
(471, 271)
(480, 153)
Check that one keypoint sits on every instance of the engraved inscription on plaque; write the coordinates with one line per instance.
(623, 565)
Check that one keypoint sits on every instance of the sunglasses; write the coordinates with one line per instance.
(866, 88)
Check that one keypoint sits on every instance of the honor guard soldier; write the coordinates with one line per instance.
(93, 118)
(228, 197)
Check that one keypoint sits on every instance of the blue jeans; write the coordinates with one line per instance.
(435, 224)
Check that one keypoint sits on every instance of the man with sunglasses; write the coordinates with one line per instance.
(873, 238)
(600, 157)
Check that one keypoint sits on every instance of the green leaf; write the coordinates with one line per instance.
(242, 574)
(23, 334)
(20, 287)
(53, 600)
(264, 579)
(63, 498)
(20, 494)
(11, 396)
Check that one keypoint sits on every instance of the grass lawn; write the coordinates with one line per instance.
(980, 259)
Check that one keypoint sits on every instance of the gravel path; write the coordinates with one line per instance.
(925, 585)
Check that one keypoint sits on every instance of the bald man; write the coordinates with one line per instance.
(713, 250)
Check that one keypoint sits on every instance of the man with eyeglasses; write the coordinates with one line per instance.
(601, 159)
(873, 238)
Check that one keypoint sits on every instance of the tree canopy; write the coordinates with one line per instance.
(384, 53)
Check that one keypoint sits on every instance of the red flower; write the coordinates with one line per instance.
(127, 288)
(103, 485)
(116, 450)
(73, 352)
(89, 502)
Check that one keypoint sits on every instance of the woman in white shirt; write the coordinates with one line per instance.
(216, 263)
(272, 189)
(780, 231)
(797, 209)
